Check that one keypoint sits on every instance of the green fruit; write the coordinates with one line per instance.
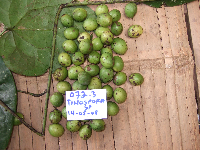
(94, 57)
(70, 46)
(119, 78)
(106, 50)
(119, 95)
(107, 60)
(130, 10)
(63, 86)
(90, 24)
(109, 91)
(73, 125)
(67, 20)
(64, 59)
(84, 78)
(100, 30)
(119, 64)
(119, 46)
(79, 14)
(64, 113)
(97, 125)
(135, 31)
(86, 46)
(60, 74)
(101, 9)
(83, 36)
(97, 44)
(55, 116)
(56, 130)
(77, 86)
(85, 132)
(116, 28)
(57, 99)
(78, 59)
(136, 79)
(95, 83)
(106, 75)
(93, 70)
(107, 37)
(104, 19)
(74, 71)
(116, 15)
(112, 108)
(71, 33)
(16, 121)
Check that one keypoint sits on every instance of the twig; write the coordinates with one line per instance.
(33, 94)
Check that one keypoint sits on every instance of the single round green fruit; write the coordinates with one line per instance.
(16, 121)
(78, 59)
(70, 46)
(67, 20)
(79, 14)
(135, 31)
(90, 24)
(74, 71)
(119, 78)
(97, 125)
(63, 86)
(84, 78)
(71, 33)
(107, 37)
(94, 57)
(64, 113)
(136, 79)
(83, 36)
(57, 99)
(93, 70)
(97, 44)
(55, 116)
(106, 50)
(85, 132)
(119, 46)
(101, 9)
(109, 91)
(119, 95)
(100, 30)
(73, 125)
(119, 64)
(116, 28)
(130, 10)
(64, 59)
(116, 15)
(77, 86)
(56, 130)
(86, 46)
(106, 75)
(104, 19)
(60, 74)
(112, 108)
(95, 83)
(107, 60)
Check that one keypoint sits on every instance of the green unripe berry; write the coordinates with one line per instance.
(119, 46)
(116, 28)
(71, 33)
(112, 108)
(136, 79)
(130, 10)
(104, 19)
(78, 59)
(116, 15)
(63, 86)
(94, 57)
(70, 46)
(67, 20)
(120, 95)
(135, 31)
(101, 9)
(79, 14)
(16, 121)
(90, 24)
(83, 36)
(56, 130)
(64, 59)
(55, 116)
(100, 30)
(86, 46)
(97, 44)
(57, 99)
(107, 37)
(109, 91)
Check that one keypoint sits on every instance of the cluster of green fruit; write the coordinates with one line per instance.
(103, 66)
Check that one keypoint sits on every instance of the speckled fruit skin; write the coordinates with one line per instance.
(82, 36)
(136, 79)
(106, 50)
(67, 20)
(79, 14)
(64, 59)
(116, 28)
(97, 125)
(101, 9)
(119, 64)
(107, 60)
(130, 10)
(60, 74)
(95, 83)
(56, 130)
(120, 95)
(106, 75)
(56, 99)
(97, 44)
(100, 30)
(73, 125)
(74, 71)
(119, 78)
(84, 78)
(63, 86)
(94, 57)
(109, 91)
(104, 19)
(92, 69)
(116, 15)
(135, 31)
(78, 59)
(112, 108)
(55, 116)
(107, 37)
(85, 132)
(90, 24)
(86, 46)
(70, 46)
(71, 33)
(119, 46)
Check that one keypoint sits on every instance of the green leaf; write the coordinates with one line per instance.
(8, 95)
(170, 3)
(26, 47)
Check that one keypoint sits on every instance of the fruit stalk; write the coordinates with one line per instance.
(21, 120)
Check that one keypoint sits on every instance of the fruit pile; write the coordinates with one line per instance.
(102, 66)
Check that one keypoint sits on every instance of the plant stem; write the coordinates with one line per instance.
(21, 120)
(33, 94)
